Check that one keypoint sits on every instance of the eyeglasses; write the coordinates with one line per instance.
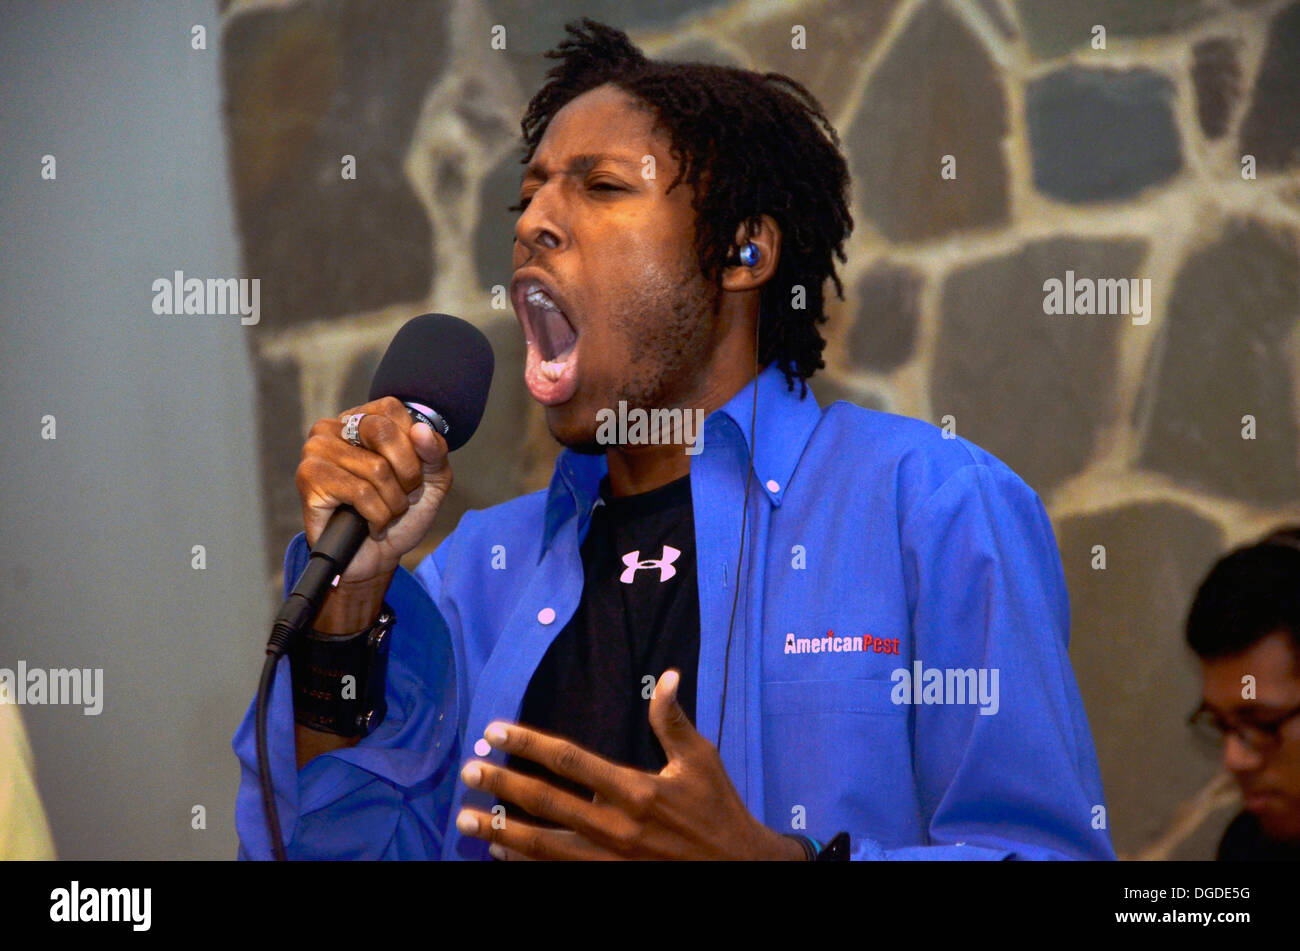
(1262, 738)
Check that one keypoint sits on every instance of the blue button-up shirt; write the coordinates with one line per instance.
(898, 665)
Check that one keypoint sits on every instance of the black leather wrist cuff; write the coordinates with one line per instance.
(339, 680)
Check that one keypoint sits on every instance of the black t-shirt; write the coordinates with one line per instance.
(639, 616)
(1244, 841)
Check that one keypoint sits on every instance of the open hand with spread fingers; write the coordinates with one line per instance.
(688, 810)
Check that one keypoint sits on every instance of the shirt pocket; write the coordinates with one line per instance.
(815, 697)
(837, 755)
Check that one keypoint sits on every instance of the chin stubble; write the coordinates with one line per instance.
(671, 332)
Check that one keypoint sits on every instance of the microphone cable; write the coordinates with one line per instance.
(263, 753)
(334, 549)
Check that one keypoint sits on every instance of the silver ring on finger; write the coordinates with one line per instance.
(351, 427)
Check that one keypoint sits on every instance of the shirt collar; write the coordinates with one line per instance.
(783, 423)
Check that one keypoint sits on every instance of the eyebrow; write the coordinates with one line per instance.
(578, 165)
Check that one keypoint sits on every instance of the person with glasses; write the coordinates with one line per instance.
(1244, 625)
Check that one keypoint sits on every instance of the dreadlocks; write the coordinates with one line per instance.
(753, 142)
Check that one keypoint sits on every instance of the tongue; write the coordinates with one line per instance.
(555, 336)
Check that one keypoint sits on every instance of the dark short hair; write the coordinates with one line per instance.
(1249, 594)
(761, 145)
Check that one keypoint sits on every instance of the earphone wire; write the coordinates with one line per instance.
(744, 525)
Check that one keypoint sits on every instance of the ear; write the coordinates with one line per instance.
(766, 235)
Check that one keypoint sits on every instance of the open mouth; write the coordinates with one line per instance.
(552, 332)
(550, 370)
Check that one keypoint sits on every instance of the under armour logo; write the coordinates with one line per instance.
(665, 564)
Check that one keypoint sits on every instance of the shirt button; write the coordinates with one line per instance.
(773, 485)
(546, 615)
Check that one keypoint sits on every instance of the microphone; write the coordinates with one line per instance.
(441, 368)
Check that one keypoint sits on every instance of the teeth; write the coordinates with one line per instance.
(540, 298)
(553, 369)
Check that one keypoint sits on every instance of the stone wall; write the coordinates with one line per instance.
(1148, 139)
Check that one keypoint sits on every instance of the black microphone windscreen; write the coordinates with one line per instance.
(444, 363)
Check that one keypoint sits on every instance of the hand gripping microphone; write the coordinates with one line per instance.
(441, 368)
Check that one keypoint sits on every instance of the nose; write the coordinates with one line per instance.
(538, 226)
(1237, 756)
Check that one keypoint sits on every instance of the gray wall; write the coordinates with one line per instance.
(155, 448)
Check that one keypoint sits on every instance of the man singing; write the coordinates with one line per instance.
(793, 634)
